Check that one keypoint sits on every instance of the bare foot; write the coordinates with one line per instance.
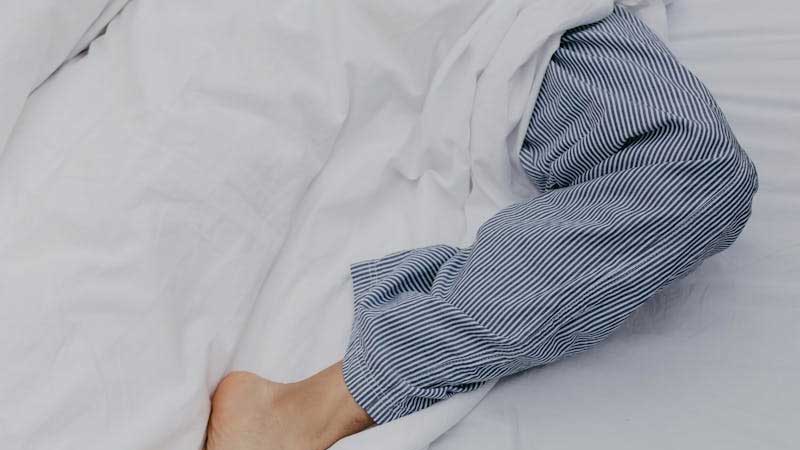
(251, 413)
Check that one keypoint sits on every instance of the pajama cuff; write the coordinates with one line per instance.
(363, 387)
(383, 400)
(382, 404)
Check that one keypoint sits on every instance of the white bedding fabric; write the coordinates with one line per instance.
(37, 36)
(205, 155)
(186, 198)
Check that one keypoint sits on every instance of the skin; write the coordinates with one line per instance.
(252, 413)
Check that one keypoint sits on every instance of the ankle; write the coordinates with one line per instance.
(326, 402)
(249, 412)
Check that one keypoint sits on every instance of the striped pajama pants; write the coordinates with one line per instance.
(641, 180)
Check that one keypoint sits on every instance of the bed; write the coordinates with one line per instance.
(183, 197)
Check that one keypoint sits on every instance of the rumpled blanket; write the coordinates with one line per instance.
(185, 198)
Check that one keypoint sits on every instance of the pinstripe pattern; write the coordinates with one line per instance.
(642, 179)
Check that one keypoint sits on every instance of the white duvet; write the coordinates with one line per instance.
(186, 198)
(211, 166)
(36, 37)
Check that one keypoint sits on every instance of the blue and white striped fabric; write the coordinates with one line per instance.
(642, 179)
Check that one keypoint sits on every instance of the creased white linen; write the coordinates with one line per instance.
(36, 37)
(186, 198)
(111, 9)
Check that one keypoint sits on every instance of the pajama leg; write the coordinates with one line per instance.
(642, 179)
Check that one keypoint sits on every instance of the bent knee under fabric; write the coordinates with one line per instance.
(642, 179)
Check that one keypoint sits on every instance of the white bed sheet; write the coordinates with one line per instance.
(36, 37)
(714, 361)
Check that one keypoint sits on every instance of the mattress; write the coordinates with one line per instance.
(713, 361)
